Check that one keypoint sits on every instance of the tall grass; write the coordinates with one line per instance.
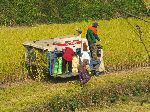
(120, 43)
(102, 91)
(34, 96)
(131, 106)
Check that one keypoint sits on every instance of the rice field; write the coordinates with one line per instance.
(34, 96)
(119, 40)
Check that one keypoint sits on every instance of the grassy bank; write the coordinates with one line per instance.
(131, 106)
(106, 89)
(121, 44)
(24, 95)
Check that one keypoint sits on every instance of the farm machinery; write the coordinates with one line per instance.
(54, 49)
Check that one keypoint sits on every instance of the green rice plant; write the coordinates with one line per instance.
(37, 64)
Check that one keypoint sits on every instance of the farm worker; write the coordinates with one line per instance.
(92, 36)
(85, 54)
(84, 75)
(67, 59)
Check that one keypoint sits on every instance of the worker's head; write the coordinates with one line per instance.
(85, 62)
(95, 24)
(85, 47)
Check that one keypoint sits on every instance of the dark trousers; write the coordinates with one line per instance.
(64, 63)
(92, 48)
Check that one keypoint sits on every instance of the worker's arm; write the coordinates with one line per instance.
(96, 37)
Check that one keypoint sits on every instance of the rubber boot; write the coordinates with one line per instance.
(59, 65)
(56, 68)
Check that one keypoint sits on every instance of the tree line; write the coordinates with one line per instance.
(28, 12)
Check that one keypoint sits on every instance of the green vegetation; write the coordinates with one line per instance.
(132, 106)
(121, 44)
(125, 46)
(28, 12)
(103, 93)
(23, 95)
(104, 90)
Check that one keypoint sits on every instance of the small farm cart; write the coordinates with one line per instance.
(53, 49)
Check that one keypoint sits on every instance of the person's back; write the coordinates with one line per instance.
(85, 54)
(91, 34)
(68, 54)
(67, 58)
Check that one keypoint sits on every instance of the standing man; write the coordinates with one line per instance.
(91, 37)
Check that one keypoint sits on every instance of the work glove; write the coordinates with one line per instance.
(98, 38)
